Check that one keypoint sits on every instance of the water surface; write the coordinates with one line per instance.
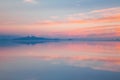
(61, 61)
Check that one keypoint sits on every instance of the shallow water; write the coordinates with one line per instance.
(61, 61)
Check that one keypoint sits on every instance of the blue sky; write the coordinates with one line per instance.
(46, 8)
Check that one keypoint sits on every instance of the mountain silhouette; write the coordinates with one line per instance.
(35, 38)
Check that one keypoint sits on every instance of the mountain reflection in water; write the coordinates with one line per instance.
(61, 61)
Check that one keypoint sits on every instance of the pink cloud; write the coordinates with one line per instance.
(95, 16)
(108, 19)
(30, 1)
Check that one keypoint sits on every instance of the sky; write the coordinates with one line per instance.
(73, 18)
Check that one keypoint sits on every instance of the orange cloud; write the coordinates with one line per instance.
(113, 18)
(95, 31)
(106, 12)
(108, 19)
(95, 16)
(117, 31)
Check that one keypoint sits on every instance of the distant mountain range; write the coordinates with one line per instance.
(34, 38)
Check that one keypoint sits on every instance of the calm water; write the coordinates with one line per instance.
(61, 61)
